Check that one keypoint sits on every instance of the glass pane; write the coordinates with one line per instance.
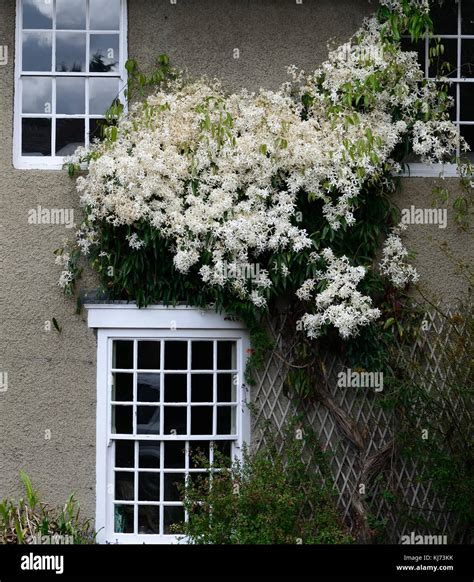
(447, 63)
(105, 14)
(104, 53)
(226, 355)
(36, 137)
(148, 519)
(467, 58)
(37, 95)
(102, 93)
(175, 388)
(148, 486)
(225, 420)
(445, 17)
(148, 420)
(202, 355)
(173, 515)
(467, 132)
(122, 419)
(37, 53)
(71, 14)
(201, 420)
(148, 355)
(70, 134)
(173, 486)
(175, 455)
(467, 18)
(176, 355)
(202, 388)
(70, 52)
(124, 453)
(122, 354)
(124, 485)
(95, 132)
(149, 455)
(37, 14)
(70, 96)
(148, 388)
(123, 519)
(222, 452)
(198, 454)
(175, 420)
(122, 387)
(226, 387)
(467, 101)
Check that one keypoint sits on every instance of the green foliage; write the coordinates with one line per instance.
(28, 518)
(270, 497)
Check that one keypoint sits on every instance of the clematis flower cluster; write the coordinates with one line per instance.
(394, 264)
(219, 175)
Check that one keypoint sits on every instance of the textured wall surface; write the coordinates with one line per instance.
(52, 376)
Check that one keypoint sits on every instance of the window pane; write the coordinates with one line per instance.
(122, 419)
(71, 14)
(105, 14)
(104, 53)
(467, 132)
(70, 134)
(122, 387)
(447, 63)
(226, 387)
(70, 52)
(37, 14)
(226, 355)
(148, 388)
(148, 355)
(202, 355)
(149, 455)
(467, 101)
(225, 420)
(123, 518)
(467, 17)
(148, 486)
(124, 453)
(175, 388)
(445, 17)
(202, 388)
(174, 482)
(124, 485)
(148, 519)
(175, 420)
(95, 132)
(70, 96)
(173, 516)
(201, 420)
(198, 454)
(37, 51)
(102, 93)
(174, 455)
(36, 137)
(36, 95)
(122, 355)
(222, 453)
(176, 355)
(467, 58)
(148, 420)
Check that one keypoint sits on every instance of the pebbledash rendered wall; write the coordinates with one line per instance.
(47, 414)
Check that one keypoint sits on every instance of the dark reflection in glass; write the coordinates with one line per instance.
(445, 17)
(95, 131)
(174, 482)
(173, 516)
(175, 420)
(226, 355)
(124, 485)
(71, 14)
(148, 420)
(123, 354)
(104, 53)
(201, 420)
(70, 134)
(148, 387)
(37, 14)
(70, 52)
(149, 355)
(467, 18)
(149, 455)
(37, 51)
(447, 63)
(105, 14)
(175, 388)
(224, 419)
(102, 93)
(148, 519)
(176, 355)
(36, 137)
(148, 486)
(70, 96)
(174, 455)
(122, 419)
(122, 388)
(202, 355)
(467, 101)
(201, 388)
(226, 387)
(198, 454)
(123, 518)
(222, 452)
(36, 95)
(467, 58)
(124, 453)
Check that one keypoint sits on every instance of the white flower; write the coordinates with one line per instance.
(134, 242)
(65, 279)
(394, 260)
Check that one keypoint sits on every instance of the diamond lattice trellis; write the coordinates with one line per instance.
(348, 463)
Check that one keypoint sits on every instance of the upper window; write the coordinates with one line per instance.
(454, 27)
(69, 70)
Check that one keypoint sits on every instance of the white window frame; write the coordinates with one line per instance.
(54, 162)
(419, 170)
(120, 321)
